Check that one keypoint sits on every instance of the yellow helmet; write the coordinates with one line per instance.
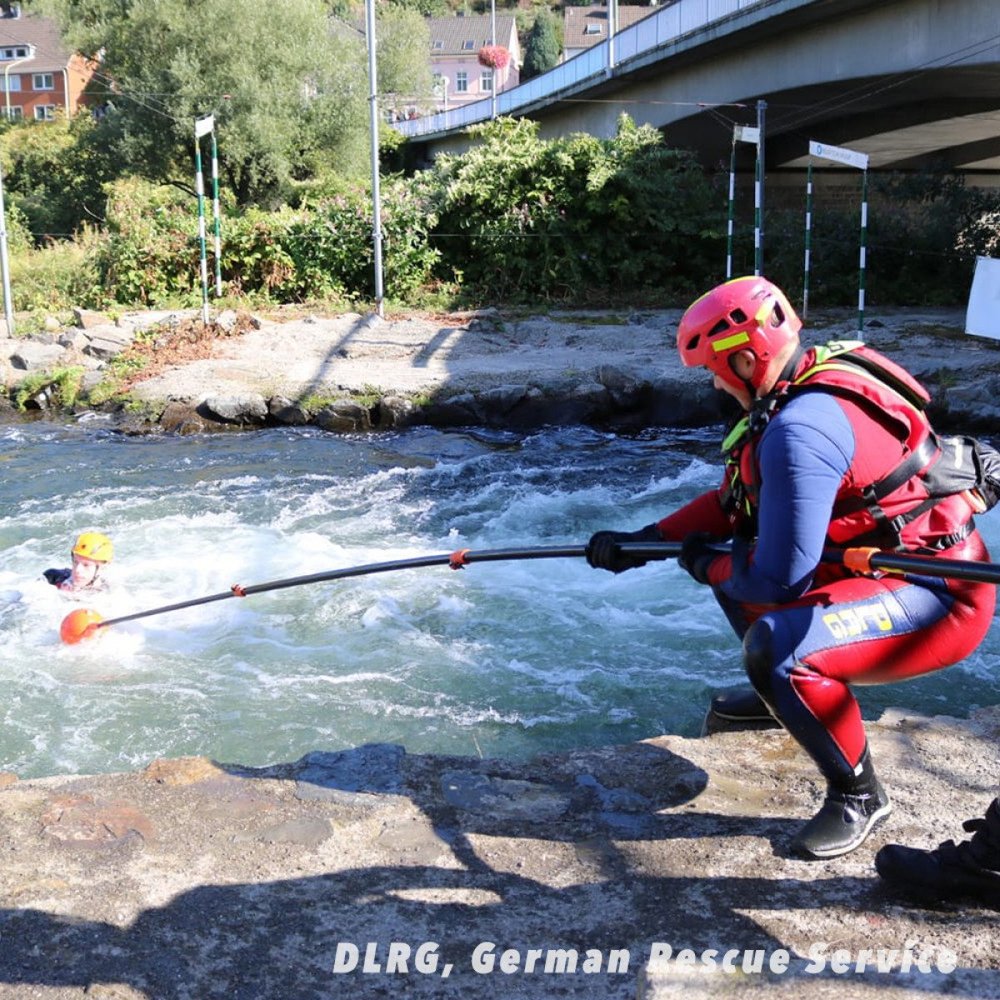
(94, 545)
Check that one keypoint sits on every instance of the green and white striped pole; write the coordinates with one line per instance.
(862, 260)
(729, 219)
(216, 216)
(805, 277)
(744, 133)
(758, 195)
(202, 126)
(851, 158)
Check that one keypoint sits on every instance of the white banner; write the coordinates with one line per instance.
(839, 155)
(982, 317)
(203, 126)
(746, 133)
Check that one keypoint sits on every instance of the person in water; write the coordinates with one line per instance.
(91, 552)
(833, 448)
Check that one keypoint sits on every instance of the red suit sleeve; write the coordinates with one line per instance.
(704, 513)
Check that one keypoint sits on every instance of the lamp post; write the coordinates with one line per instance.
(493, 69)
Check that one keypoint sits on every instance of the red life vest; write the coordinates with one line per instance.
(909, 506)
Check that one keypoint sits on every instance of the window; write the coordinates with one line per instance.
(45, 112)
(13, 52)
(592, 29)
(14, 113)
(42, 81)
(14, 83)
(437, 45)
(486, 81)
(462, 82)
(468, 45)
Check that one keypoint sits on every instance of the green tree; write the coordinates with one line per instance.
(286, 90)
(404, 41)
(542, 50)
(54, 173)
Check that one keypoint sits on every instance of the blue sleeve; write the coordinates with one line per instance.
(803, 455)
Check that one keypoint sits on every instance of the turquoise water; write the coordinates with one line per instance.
(504, 658)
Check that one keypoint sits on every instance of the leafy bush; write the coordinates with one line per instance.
(521, 218)
(151, 254)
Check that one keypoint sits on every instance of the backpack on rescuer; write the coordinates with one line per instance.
(964, 464)
(945, 466)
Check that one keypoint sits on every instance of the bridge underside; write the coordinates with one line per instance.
(940, 120)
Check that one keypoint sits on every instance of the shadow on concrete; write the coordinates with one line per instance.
(569, 821)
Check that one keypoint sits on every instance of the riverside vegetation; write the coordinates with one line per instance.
(517, 220)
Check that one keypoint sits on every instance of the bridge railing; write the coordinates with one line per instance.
(667, 24)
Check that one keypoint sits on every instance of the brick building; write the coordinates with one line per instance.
(38, 75)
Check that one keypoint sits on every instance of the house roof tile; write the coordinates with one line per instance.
(577, 19)
(42, 33)
(454, 32)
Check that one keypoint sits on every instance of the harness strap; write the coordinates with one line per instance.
(919, 458)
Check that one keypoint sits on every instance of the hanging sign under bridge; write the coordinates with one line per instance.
(839, 155)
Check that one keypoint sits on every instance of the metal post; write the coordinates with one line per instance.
(373, 117)
(612, 31)
(216, 216)
(863, 253)
(8, 309)
(493, 69)
(805, 279)
(758, 236)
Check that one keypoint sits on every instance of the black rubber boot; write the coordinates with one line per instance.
(846, 818)
(968, 870)
(742, 704)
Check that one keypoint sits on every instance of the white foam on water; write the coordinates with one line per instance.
(504, 657)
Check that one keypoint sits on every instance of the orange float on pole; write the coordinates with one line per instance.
(79, 624)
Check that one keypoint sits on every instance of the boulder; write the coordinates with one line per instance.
(343, 417)
(286, 412)
(86, 319)
(248, 408)
(107, 341)
(29, 356)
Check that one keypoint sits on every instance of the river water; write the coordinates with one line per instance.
(505, 658)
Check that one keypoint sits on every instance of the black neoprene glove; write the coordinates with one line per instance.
(603, 551)
(697, 552)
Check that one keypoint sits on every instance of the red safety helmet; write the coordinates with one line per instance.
(743, 314)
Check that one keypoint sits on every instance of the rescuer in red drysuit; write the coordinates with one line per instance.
(834, 450)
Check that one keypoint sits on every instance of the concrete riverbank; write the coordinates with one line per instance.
(355, 373)
(370, 872)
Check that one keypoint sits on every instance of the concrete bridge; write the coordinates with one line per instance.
(911, 83)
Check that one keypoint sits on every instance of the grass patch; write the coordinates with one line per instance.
(64, 384)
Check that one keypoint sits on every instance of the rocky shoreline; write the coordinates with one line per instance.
(354, 373)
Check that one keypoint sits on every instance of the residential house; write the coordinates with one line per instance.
(584, 27)
(459, 77)
(38, 75)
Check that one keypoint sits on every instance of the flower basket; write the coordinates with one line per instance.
(494, 56)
